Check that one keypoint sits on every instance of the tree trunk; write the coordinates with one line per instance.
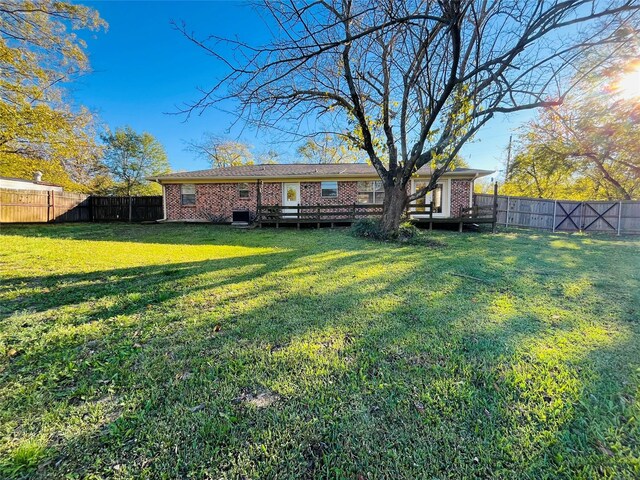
(395, 201)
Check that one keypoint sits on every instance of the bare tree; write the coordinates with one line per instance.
(410, 81)
(328, 149)
(221, 152)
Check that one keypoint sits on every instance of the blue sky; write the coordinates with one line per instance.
(142, 69)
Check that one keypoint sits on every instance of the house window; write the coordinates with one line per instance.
(188, 194)
(436, 195)
(243, 190)
(422, 201)
(329, 189)
(370, 192)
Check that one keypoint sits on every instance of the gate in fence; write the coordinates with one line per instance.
(588, 216)
(619, 217)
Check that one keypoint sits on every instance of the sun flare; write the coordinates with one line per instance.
(628, 86)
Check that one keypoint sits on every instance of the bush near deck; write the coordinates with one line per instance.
(192, 351)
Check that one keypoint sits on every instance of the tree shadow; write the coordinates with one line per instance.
(383, 363)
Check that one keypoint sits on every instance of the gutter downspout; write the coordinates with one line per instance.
(164, 202)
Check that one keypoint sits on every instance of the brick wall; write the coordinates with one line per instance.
(216, 201)
(460, 196)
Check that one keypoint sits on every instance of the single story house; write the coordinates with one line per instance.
(12, 183)
(214, 194)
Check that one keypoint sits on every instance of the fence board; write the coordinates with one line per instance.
(25, 206)
(566, 215)
(117, 208)
(34, 206)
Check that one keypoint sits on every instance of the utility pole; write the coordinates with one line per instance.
(506, 173)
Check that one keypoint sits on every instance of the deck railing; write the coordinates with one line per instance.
(421, 212)
(477, 212)
(329, 213)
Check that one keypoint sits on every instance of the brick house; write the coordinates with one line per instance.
(215, 194)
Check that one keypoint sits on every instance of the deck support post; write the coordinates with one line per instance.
(431, 215)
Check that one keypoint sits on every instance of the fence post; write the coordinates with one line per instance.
(506, 220)
(53, 206)
(495, 207)
(619, 216)
(130, 208)
(555, 208)
(48, 206)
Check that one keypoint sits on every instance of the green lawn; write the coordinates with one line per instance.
(192, 351)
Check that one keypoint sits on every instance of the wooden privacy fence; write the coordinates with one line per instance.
(141, 209)
(619, 217)
(33, 206)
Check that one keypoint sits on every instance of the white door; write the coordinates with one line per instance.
(290, 197)
(439, 196)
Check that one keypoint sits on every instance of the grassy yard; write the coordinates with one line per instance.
(173, 351)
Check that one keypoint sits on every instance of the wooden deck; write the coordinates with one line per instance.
(318, 215)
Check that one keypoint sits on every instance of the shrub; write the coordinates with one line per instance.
(367, 228)
(407, 231)
(370, 228)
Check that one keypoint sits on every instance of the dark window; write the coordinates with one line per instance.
(188, 194)
(329, 189)
(436, 195)
(243, 190)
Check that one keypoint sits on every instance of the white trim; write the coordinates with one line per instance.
(446, 197)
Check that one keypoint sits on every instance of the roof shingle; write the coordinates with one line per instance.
(294, 170)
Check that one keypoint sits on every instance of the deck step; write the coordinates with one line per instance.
(240, 224)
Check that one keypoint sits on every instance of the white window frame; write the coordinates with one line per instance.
(247, 189)
(322, 195)
(375, 191)
(183, 194)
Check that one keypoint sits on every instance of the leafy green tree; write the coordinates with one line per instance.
(130, 158)
(587, 148)
(39, 129)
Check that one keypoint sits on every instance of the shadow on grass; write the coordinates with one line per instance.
(382, 364)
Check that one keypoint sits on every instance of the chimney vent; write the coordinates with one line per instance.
(37, 177)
